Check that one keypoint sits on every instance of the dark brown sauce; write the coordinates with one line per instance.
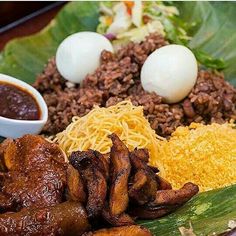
(17, 103)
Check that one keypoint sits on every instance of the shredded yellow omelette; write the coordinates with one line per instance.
(202, 154)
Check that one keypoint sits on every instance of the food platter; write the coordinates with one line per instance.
(187, 134)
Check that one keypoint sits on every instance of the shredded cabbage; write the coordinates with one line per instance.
(137, 12)
(135, 24)
(138, 34)
(127, 21)
(121, 21)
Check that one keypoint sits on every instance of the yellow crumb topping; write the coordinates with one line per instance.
(202, 154)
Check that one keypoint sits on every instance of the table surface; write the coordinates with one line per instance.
(29, 26)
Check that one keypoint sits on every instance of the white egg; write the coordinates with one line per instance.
(79, 55)
(171, 72)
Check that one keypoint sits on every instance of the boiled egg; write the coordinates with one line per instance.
(79, 55)
(171, 72)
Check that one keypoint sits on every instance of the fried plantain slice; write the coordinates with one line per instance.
(140, 179)
(117, 220)
(89, 167)
(134, 230)
(148, 212)
(173, 197)
(104, 163)
(67, 218)
(162, 183)
(142, 154)
(75, 185)
(154, 169)
(137, 188)
(147, 192)
(166, 201)
(119, 199)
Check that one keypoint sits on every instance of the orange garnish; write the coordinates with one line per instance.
(129, 5)
(108, 20)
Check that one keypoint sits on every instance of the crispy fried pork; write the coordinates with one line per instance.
(133, 230)
(121, 167)
(93, 173)
(36, 173)
(68, 218)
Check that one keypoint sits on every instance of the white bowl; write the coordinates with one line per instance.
(12, 128)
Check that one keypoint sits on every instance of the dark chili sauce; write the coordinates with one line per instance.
(17, 103)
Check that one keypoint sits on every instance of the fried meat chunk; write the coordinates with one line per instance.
(3, 147)
(144, 185)
(6, 203)
(147, 212)
(92, 171)
(36, 174)
(173, 197)
(104, 163)
(117, 220)
(162, 183)
(119, 199)
(166, 201)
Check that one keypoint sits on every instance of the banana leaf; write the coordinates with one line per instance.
(207, 213)
(214, 33)
(25, 58)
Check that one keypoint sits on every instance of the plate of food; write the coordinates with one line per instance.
(118, 118)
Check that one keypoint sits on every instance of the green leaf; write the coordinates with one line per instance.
(214, 32)
(208, 212)
(208, 61)
(24, 58)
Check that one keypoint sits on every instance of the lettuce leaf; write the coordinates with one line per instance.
(214, 32)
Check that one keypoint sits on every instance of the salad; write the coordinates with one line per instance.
(127, 21)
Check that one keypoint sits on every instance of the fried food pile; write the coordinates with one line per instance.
(33, 185)
(120, 186)
(41, 194)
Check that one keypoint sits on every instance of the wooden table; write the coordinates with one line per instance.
(31, 23)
